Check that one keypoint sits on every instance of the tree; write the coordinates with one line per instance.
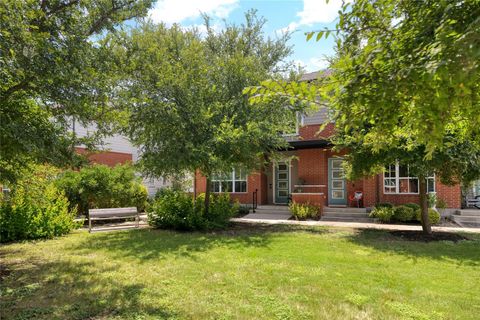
(188, 111)
(405, 79)
(55, 67)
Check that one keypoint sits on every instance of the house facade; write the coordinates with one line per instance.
(312, 172)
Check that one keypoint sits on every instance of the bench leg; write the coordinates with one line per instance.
(137, 220)
(89, 225)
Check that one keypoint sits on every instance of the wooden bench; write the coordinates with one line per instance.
(113, 214)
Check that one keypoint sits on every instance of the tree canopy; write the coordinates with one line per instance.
(185, 92)
(55, 67)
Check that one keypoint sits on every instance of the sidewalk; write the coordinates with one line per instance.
(355, 225)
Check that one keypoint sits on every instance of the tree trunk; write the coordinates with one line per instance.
(422, 189)
(207, 195)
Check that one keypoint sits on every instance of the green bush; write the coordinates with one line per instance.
(303, 211)
(173, 209)
(36, 208)
(403, 213)
(383, 213)
(433, 216)
(384, 205)
(243, 210)
(100, 186)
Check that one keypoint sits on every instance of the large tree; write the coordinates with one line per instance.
(54, 68)
(184, 89)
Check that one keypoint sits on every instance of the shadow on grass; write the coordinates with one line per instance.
(67, 290)
(150, 244)
(466, 252)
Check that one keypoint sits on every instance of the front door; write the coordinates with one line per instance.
(282, 182)
(337, 189)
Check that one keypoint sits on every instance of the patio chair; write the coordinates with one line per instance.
(356, 197)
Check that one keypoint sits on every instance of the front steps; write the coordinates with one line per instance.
(346, 214)
(270, 212)
(467, 218)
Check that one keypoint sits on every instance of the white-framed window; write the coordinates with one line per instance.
(294, 124)
(397, 179)
(234, 181)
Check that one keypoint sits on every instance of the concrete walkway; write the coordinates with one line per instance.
(355, 225)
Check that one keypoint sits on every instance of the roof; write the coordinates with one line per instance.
(315, 75)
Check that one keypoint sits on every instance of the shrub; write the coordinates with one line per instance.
(303, 211)
(243, 210)
(403, 213)
(100, 186)
(433, 216)
(383, 214)
(384, 205)
(36, 208)
(173, 209)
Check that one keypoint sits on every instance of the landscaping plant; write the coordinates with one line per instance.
(304, 211)
(35, 208)
(174, 209)
(101, 186)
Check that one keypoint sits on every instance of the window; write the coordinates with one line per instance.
(235, 181)
(293, 121)
(397, 179)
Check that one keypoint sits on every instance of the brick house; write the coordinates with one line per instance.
(313, 172)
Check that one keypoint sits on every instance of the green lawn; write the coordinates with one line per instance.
(266, 273)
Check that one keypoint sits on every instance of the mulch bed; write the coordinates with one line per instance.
(435, 236)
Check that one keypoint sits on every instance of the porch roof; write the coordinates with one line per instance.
(309, 144)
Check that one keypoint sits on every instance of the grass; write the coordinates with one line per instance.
(266, 273)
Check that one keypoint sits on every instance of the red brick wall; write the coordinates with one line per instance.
(256, 180)
(452, 195)
(311, 132)
(108, 158)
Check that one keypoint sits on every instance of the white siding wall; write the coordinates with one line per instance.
(118, 143)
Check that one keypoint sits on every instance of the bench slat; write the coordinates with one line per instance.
(112, 217)
(112, 212)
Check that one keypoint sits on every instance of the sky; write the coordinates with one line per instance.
(299, 16)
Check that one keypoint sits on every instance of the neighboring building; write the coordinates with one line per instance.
(315, 174)
(118, 150)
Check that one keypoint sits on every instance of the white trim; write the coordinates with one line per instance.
(233, 180)
(308, 193)
(397, 179)
(310, 185)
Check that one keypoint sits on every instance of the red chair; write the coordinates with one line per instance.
(357, 196)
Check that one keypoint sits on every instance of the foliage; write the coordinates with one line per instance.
(100, 186)
(433, 216)
(243, 210)
(174, 209)
(384, 205)
(303, 211)
(403, 213)
(416, 210)
(432, 200)
(440, 203)
(55, 66)
(36, 208)
(383, 214)
(187, 109)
